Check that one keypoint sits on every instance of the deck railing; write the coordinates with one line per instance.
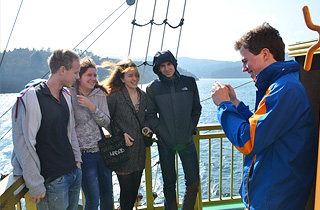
(13, 190)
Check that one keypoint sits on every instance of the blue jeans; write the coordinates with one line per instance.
(96, 182)
(62, 193)
(189, 160)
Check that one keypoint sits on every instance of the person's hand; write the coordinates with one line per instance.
(129, 140)
(219, 93)
(36, 199)
(85, 102)
(232, 95)
(78, 164)
(146, 131)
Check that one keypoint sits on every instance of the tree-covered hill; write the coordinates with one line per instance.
(23, 65)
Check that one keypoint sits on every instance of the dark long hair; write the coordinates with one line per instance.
(87, 63)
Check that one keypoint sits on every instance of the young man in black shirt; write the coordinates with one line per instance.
(46, 151)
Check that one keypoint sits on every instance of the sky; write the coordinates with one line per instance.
(210, 27)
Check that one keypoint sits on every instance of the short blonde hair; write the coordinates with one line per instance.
(62, 57)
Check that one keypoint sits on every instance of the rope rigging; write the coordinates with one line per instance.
(73, 48)
(152, 22)
(165, 21)
(233, 88)
(104, 31)
(5, 50)
(98, 25)
(145, 63)
(94, 30)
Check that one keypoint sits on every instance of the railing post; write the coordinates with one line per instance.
(29, 204)
(148, 181)
(199, 195)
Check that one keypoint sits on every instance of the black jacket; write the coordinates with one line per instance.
(173, 109)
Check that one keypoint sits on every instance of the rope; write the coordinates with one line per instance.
(164, 27)
(135, 13)
(73, 48)
(151, 22)
(5, 113)
(165, 21)
(93, 31)
(5, 50)
(182, 19)
(145, 61)
(233, 88)
(99, 25)
(155, 178)
(5, 133)
(104, 31)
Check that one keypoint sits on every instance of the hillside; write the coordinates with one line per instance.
(204, 68)
(23, 65)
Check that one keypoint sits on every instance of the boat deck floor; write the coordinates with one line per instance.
(233, 206)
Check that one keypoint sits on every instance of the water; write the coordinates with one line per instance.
(245, 93)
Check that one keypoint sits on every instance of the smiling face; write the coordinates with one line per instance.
(253, 64)
(88, 79)
(167, 69)
(131, 79)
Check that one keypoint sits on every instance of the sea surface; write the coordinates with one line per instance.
(245, 91)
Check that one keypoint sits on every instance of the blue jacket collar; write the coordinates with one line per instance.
(273, 72)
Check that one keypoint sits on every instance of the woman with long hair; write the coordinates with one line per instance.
(91, 112)
(127, 104)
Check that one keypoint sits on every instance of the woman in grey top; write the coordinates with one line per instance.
(127, 104)
(90, 112)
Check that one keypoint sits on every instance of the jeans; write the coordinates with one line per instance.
(96, 182)
(189, 160)
(62, 193)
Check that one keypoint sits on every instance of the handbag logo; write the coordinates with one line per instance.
(116, 152)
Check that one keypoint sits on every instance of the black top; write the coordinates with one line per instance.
(53, 145)
(173, 110)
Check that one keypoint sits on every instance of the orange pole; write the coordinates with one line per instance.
(307, 66)
(312, 49)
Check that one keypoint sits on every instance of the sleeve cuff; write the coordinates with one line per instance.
(222, 104)
(242, 107)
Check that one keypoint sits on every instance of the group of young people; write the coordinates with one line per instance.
(56, 129)
(57, 122)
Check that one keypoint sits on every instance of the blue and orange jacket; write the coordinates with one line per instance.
(279, 140)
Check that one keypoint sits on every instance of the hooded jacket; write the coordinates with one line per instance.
(279, 140)
(173, 109)
(26, 121)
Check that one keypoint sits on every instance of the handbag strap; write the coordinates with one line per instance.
(111, 127)
(101, 132)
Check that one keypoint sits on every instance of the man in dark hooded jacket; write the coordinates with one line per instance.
(173, 112)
